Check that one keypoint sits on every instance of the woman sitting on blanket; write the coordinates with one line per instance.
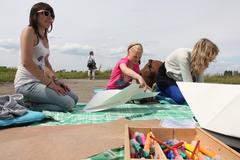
(35, 78)
(127, 69)
(185, 65)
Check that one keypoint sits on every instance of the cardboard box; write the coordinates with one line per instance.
(163, 134)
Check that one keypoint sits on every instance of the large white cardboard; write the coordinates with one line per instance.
(216, 106)
(110, 98)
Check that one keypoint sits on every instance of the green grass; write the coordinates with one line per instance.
(8, 74)
(222, 79)
(82, 74)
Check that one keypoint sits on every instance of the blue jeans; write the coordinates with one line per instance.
(41, 98)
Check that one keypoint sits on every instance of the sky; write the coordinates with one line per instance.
(108, 26)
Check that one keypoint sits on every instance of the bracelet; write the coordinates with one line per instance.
(49, 83)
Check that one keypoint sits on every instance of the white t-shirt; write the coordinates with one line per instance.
(23, 76)
(178, 66)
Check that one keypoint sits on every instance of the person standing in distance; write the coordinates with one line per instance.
(91, 65)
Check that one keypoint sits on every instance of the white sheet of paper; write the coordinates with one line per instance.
(110, 98)
(216, 106)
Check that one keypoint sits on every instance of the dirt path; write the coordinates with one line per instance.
(82, 87)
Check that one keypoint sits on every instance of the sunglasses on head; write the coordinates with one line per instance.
(46, 13)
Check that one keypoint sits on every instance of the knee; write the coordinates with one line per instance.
(75, 99)
(68, 105)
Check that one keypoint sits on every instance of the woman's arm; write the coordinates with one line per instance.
(51, 74)
(185, 67)
(27, 42)
(48, 69)
(126, 70)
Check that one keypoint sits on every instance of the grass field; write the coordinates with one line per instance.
(8, 74)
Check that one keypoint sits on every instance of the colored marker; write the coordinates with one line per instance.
(148, 142)
(138, 138)
(142, 136)
(135, 145)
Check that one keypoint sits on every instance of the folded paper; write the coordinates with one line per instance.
(109, 98)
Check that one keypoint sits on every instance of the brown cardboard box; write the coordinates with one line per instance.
(67, 142)
(187, 135)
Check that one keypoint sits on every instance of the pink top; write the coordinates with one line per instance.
(118, 80)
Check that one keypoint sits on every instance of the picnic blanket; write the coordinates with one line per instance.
(127, 111)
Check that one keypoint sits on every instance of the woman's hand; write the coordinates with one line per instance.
(61, 83)
(143, 84)
(58, 89)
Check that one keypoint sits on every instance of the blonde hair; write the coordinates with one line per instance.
(135, 46)
(204, 51)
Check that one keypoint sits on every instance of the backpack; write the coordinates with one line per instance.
(91, 64)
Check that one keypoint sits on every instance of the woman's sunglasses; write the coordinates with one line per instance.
(46, 13)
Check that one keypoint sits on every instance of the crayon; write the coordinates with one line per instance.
(209, 153)
(145, 154)
(174, 146)
(170, 154)
(162, 143)
(189, 154)
(183, 154)
(175, 152)
(188, 147)
(131, 135)
(195, 149)
(132, 152)
(177, 156)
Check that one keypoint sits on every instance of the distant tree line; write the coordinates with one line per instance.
(231, 73)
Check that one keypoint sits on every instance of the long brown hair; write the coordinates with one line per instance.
(204, 51)
(33, 18)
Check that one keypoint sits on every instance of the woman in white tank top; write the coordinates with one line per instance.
(35, 78)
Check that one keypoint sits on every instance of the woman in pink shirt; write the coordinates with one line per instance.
(127, 69)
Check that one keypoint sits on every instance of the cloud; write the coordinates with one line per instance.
(116, 52)
(8, 45)
(72, 49)
(121, 52)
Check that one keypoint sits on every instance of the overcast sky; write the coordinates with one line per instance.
(108, 26)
